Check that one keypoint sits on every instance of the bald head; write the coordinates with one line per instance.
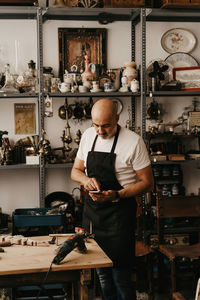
(105, 117)
(104, 107)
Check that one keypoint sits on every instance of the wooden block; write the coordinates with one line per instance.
(5, 244)
(8, 238)
(29, 242)
(2, 238)
(176, 157)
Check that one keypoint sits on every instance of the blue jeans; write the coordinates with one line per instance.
(116, 284)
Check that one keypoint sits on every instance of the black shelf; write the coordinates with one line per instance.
(18, 12)
(170, 135)
(167, 162)
(18, 166)
(106, 15)
(59, 166)
(173, 93)
(174, 162)
(93, 95)
(17, 95)
(174, 15)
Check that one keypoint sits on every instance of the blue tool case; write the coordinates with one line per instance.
(37, 221)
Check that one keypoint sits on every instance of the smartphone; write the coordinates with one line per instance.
(95, 192)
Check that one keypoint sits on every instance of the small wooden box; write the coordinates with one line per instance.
(176, 156)
(180, 4)
(124, 3)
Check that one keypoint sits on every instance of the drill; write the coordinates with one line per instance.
(76, 240)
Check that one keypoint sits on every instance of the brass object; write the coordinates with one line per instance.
(78, 137)
(65, 111)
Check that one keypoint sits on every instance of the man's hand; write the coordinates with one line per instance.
(103, 196)
(91, 184)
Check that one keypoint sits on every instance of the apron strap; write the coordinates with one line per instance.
(92, 149)
(115, 140)
(114, 143)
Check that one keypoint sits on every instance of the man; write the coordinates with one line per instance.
(114, 162)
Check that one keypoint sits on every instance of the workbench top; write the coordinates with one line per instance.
(18, 259)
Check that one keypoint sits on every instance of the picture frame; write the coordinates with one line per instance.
(25, 118)
(189, 77)
(75, 43)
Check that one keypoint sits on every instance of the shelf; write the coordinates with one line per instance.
(17, 95)
(173, 162)
(167, 181)
(103, 15)
(18, 12)
(93, 95)
(175, 15)
(173, 93)
(18, 166)
(170, 135)
(59, 166)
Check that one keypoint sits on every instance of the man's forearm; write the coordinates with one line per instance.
(78, 176)
(135, 189)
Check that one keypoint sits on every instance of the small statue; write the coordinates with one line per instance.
(124, 87)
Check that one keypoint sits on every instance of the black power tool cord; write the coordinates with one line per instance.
(43, 283)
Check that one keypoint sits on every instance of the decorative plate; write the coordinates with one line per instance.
(178, 40)
(119, 105)
(181, 59)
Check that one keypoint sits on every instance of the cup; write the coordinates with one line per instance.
(82, 89)
(108, 86)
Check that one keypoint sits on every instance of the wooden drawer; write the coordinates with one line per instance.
(124, 3)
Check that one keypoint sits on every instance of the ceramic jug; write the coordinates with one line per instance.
(130, 72)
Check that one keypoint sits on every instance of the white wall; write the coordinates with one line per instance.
(19, 188)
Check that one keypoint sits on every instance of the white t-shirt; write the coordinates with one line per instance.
(131, 153)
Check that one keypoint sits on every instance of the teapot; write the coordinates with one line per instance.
(73, 77)
(64, 87)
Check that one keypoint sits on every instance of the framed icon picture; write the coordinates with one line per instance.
(76, 43)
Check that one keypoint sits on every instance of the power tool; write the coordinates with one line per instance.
(74, 241)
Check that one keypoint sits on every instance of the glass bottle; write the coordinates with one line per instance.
(9, 86)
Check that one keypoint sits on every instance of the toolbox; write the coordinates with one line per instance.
(36, 221)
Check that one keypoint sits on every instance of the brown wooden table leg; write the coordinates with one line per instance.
(85, 279)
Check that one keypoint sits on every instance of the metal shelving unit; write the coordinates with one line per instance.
(104, 16)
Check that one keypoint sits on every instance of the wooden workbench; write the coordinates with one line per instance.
(28, 265)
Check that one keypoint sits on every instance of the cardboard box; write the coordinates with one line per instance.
(33, 160)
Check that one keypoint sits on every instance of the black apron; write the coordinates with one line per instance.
(113, 223)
